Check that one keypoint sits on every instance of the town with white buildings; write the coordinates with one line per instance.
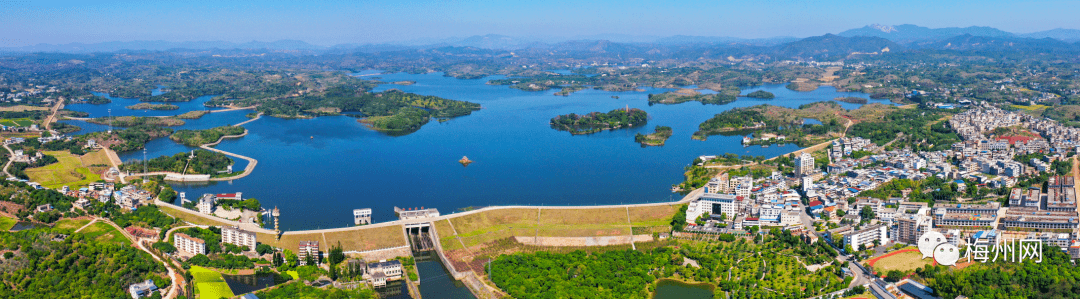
(999, 183)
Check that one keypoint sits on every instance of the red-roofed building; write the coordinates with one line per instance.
(233, 196)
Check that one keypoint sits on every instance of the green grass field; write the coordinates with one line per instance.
(6, 223)
(69, 171)
(210, 284)
(103, 232)
(16, 122)
(295, 275)
(70, 224)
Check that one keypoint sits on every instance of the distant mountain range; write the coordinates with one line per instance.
(911, 33)
(868, 39)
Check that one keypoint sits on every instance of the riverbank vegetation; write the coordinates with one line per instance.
(598, 121)
(200, 137)
(204, 162)
(148, 106)
(853, 100)
(657, 138)
(695, 177)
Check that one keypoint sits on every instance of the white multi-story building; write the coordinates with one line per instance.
(804, 164)
(710, 204)
(189, 244)
(236, 236)
(867, 236)
(206, 204)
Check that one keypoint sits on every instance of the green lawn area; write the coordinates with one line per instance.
(295, 275)
(70, 224)
(210, 284)
(16, 122)
(6, 223)
(104, 232)
(69, 171)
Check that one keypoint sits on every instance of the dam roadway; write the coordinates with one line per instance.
(692, 195)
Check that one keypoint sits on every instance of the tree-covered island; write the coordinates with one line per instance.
(655, 139)
(682, 96)
(598, 121)
(761, 94)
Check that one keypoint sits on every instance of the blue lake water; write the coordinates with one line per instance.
(318, 170)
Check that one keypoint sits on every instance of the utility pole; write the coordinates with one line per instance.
(144, 160)
(110, 121)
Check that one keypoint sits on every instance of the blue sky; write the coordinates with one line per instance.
(334, 22)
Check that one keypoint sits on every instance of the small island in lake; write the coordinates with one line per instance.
(148, 106)
(725, 96)
(802, 86)
(598, 121)
(761, 94)
(853, 100)
(655, 139)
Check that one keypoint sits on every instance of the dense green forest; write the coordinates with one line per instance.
(46, 266)
(762, 268)
(598, 121)
(204, 162)
(200, 137)
(761, 94)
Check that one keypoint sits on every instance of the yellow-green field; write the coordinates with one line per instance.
(19, 108)
(904, 261)
(7, 223)
(1032, 107)
(210, 284)
(103, 232)
(69, 171)
(489, 226)
(16, 122)
(70, 224)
